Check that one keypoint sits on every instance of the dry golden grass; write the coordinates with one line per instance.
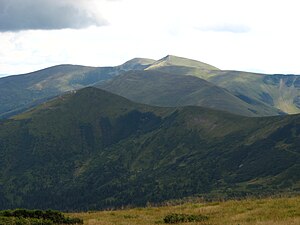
(270, 211)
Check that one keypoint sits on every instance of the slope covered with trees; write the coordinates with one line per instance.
(92, 149)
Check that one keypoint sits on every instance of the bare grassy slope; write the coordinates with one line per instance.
(166, 89)
(278, 90)
(271, 211)
(20, 92)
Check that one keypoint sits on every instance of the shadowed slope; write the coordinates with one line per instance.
(92, 149)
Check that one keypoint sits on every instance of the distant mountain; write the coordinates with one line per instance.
(137, 64)
(171, 60)
(164, 89)
(91, 149)
(259, 94)
(183, 66)
(278, 90)
(20, 92)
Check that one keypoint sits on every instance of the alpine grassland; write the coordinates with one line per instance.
(252, 211)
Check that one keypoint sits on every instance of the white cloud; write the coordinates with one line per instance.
(233, 28)
(241, 35)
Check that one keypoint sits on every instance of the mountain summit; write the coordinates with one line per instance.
(137, 64)
(171, 60)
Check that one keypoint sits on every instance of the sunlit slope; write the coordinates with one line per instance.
(164, 89)
(137, 64)
(180, 65)
(279, 91)
(266, 211)
(23, 91)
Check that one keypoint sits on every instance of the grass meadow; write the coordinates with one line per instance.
(266, 211)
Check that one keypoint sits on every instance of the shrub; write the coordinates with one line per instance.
(36, 217)
(23, 221)
(181, 218)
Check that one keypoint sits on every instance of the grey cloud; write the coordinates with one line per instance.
(16, 15)
(232, 28)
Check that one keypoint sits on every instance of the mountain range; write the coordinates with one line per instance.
(83, 138)
(237, 92)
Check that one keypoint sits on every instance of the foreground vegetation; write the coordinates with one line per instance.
(275, 211)
(35, 217)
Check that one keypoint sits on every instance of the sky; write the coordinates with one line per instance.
(248, 35)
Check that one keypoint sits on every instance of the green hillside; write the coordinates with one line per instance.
(278, 90)
(20, 92)
(137, 64)
(164, 89)
(171, 60)
(92, 149)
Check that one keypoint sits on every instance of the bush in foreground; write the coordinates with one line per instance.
(181, 218)
(35, 217)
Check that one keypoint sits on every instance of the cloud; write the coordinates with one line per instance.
(16, 15)
(226, 27)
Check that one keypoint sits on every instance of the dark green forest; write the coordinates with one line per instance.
(93, 150)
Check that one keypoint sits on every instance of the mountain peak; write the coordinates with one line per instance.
(137, 64)
(172, 60)
(82, 101)
(170, 57)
